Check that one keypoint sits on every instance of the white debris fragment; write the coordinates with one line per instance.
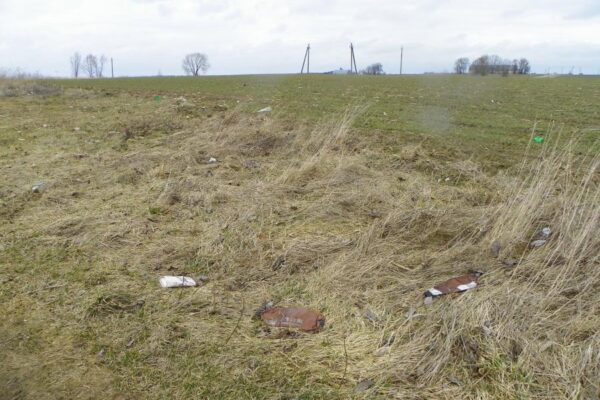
(265, 110)
(537, 243)
(38, 187)
(546, 232)
(176, 281)
(212, 160)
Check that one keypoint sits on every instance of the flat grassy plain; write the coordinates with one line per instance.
(352, 197)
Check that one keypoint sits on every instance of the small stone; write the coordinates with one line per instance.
(382, 351)
(203, 278)
(495, 248)
(486, 328)
(428, 300)
(510, 262)
(371, 316)
(537, 243)
(130, 343)
(364, 385)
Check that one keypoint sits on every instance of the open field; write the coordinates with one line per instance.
(354, 196)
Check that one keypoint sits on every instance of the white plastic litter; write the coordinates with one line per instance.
(265, 110)
(546, 232)
(38, 187)
(212, 160)
(176, 281)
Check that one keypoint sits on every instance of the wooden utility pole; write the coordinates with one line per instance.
(353, 68)
(112, 68)
(401, 58)
(306, 60)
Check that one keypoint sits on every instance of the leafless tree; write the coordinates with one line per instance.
(101, 63)
(524, 66)
(480, 66)
(195, 63)
(75, 64)
(90, 65)
(461, 65)
(374, 69)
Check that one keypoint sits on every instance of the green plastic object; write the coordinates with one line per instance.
(538, 139)
(157, 99)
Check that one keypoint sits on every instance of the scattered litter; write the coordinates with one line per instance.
(265, 110)
(495, 248)
(38, 187)
(263, 307)
(176, 281)
(77, 129)
(130, 343)
(454, 285)
(364, 385)
(293, 317)
(538, 139)
(279, 263)
(447, 180)
(157, 99)
(44, 125)
(212, 160)
(538, 243)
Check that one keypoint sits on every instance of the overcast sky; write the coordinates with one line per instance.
(146, 37)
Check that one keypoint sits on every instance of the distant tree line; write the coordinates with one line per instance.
(91, 65)
(492, 64)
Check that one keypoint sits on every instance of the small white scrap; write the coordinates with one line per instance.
(77, 129)
(433, 292)
(265, 110)
(470, 285)
(38, 187)
(176, 281)
(537, 243)
(212, 160)
(546, 232)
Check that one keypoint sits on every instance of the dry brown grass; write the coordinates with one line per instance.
(316, 216)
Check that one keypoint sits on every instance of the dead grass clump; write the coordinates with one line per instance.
(144, 126)
(18, 88)
(114, 303)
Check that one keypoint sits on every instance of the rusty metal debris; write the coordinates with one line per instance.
(455, 285)
(293, 317)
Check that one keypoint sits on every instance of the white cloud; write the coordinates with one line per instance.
(269, 36)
